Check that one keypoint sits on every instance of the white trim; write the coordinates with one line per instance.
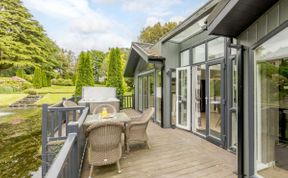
(188, 125)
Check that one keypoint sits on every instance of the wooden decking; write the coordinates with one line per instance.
(174, 153)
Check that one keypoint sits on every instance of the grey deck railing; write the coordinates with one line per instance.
(127, 101)
(62, 130)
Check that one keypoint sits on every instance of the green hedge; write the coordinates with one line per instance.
(62, 82)
(10, 85)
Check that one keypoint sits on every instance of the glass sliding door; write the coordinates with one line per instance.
(198, 99)
(145, 92)
(183, 100)
(158, 96)
(271, 101)
(140, 94)
(233, 105)
(215, 100)
(151, 93)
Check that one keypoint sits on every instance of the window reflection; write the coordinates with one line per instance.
(272, 106)
(216, 48)
(199, 53)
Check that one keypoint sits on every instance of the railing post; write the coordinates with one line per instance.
(44, 139)
(75, 157)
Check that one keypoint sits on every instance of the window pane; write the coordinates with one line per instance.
(140, 94)
(158, 96)
(184, 58)
(199, 53)
(271, 94)
(216, 48)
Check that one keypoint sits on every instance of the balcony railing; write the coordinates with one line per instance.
(127, 101)
(62, 130)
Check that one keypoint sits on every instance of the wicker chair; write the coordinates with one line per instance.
(67, 104)
(110, 108)
(136, 131)
(104, 144)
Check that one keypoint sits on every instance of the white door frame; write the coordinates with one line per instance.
(188, 69)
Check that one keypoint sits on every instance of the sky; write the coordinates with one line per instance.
(101, 24)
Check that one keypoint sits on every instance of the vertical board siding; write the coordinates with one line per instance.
(269, 21)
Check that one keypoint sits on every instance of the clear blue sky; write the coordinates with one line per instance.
(99, 24)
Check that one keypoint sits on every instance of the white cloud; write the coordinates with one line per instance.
(150, 21)
(177, 19)
(85, 28)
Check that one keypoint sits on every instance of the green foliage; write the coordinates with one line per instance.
(97, 61)
(20, 73)
(115, 71)
(37, 78)
(153, 34)
(84, 73)
(31, 92)
(48, 81)
(62, 82)
(44, 79)
(11, 85)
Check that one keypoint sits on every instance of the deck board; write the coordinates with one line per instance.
(174, 153)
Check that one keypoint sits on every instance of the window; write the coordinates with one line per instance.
(199, 53)
(216, 48)
(271, 106)
(184, 58)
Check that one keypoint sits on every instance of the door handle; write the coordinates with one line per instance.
(206, 100)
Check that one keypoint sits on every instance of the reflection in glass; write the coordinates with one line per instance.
(215, 100)
(272, 106)
(140, 94)
(151, 90)
(182, 98)
(184, 58)
(199, 53)
(145, 93)
(233, 108)
(158, 96)
(198, 99)
(216, 48)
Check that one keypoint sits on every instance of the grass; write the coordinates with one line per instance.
(53, 98)
(20, 142)
(55, 89)
(7, 99)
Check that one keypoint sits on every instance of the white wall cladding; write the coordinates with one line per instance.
(270, 20)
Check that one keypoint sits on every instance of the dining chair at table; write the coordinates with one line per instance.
(135, 131)
(110, 108)
(104, 144)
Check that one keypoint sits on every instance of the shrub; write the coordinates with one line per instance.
(63, 82)
(115, 72)
(84, 73)
(11, 85)
(44, 79)
(29, 78)
(20, 73)
(31, 92)
(48, 81)
(37, 78)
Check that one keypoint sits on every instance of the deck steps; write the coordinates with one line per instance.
(28, 101)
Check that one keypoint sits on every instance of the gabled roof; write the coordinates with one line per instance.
(231, 17)
(140, 51)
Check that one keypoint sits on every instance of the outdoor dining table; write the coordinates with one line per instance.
(96, 118)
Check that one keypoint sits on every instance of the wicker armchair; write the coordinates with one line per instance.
(104, 144)
(136, 131)
(67, 104)
(110, 108)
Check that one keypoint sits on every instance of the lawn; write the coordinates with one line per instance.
(53, 98)
(7, 99)
(55, 89)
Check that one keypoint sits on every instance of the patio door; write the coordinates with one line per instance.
(183, 98)
(214, 100)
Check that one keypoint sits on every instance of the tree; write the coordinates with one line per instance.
(44, 79)
(84, 74)
(97, 61)
(153, 34)
(20, 73)
(37, 78)
(115, 71)
(23, 41)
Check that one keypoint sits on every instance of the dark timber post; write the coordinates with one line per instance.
(44, 139)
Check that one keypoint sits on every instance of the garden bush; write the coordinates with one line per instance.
(31, 92)
(14, 84)
(37, 78)
(61, 81)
